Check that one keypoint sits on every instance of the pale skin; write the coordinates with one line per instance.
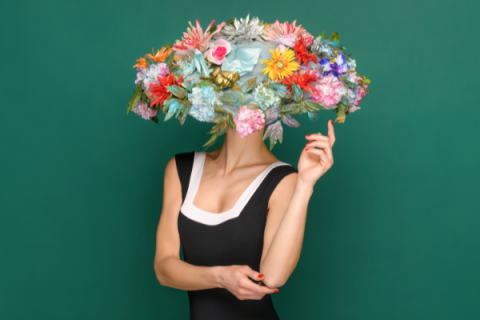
(227, 173)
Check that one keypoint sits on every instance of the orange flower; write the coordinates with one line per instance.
(142, 63)
(160, 56)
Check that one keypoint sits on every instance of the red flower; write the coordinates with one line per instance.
(160, 91)
(303, 80)
(302, 53)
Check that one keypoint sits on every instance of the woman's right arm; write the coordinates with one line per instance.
(171, 271)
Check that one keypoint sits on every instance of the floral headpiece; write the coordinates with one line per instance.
(245, 74)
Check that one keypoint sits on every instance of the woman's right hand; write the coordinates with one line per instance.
(236, 280)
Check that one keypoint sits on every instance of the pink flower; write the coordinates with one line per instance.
(328, 91)
(287, 39)
(308, 38)
(276, 29)
(195, 38)
(249, 121)
(361, 90)
(218, 50)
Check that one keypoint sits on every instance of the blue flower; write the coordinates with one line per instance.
(203, 103)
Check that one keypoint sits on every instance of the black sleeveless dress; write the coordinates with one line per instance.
(233, 237)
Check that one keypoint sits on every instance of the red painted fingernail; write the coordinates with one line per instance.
(307, 135)
(260, 275)
(309, 143)
(306, 149)
(331, 122)
(276, 290)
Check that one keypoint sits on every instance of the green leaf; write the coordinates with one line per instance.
(297, 93)
(211, 141)
(230, 122)
(249, 85)
(213, 29)
(186, 105)
(365, 80)
(168, 45)
(323, 35)
(220, 109)
(348, 83)
(230, 97)
(133, 101)
(223, 127)
(177, 91)
(253, 105)
(149, 61)
(292, 109)
(312, 106)
(334, 37)
(341, 113)
(154, 119)
(170, 58)
(217, 88)
(204, 83)
(188, 85)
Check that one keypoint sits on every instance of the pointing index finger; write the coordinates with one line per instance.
(331, 133)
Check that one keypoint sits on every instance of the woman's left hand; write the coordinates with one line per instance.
(313, 162)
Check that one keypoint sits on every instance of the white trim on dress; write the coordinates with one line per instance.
(192, 212)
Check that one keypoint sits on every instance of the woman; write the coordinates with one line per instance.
(240, 215)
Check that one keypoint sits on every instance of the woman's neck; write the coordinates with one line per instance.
(240, 152)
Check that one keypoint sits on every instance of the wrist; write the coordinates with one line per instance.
(217, 273)
(303, 188)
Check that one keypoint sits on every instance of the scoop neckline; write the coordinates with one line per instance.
(199, 161)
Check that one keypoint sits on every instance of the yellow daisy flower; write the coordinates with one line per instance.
(280, 65)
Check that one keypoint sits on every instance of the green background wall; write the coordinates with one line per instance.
(393, 227)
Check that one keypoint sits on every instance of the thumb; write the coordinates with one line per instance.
(253, 274)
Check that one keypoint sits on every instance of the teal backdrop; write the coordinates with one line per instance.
(392, 229)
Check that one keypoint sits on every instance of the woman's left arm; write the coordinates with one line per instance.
(287, 213)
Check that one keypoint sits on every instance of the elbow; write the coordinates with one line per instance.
(157, 267)
(274, 281)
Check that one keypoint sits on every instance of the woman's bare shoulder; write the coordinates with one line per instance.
(283, 192)
(172, 188)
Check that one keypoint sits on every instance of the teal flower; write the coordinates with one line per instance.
(265, 97)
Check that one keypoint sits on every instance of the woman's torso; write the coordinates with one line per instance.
(233, 237)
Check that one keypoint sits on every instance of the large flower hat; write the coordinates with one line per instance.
(245, 74)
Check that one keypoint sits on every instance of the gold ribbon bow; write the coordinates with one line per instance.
(223, 79)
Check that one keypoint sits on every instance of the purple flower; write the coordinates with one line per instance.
(337, 68)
